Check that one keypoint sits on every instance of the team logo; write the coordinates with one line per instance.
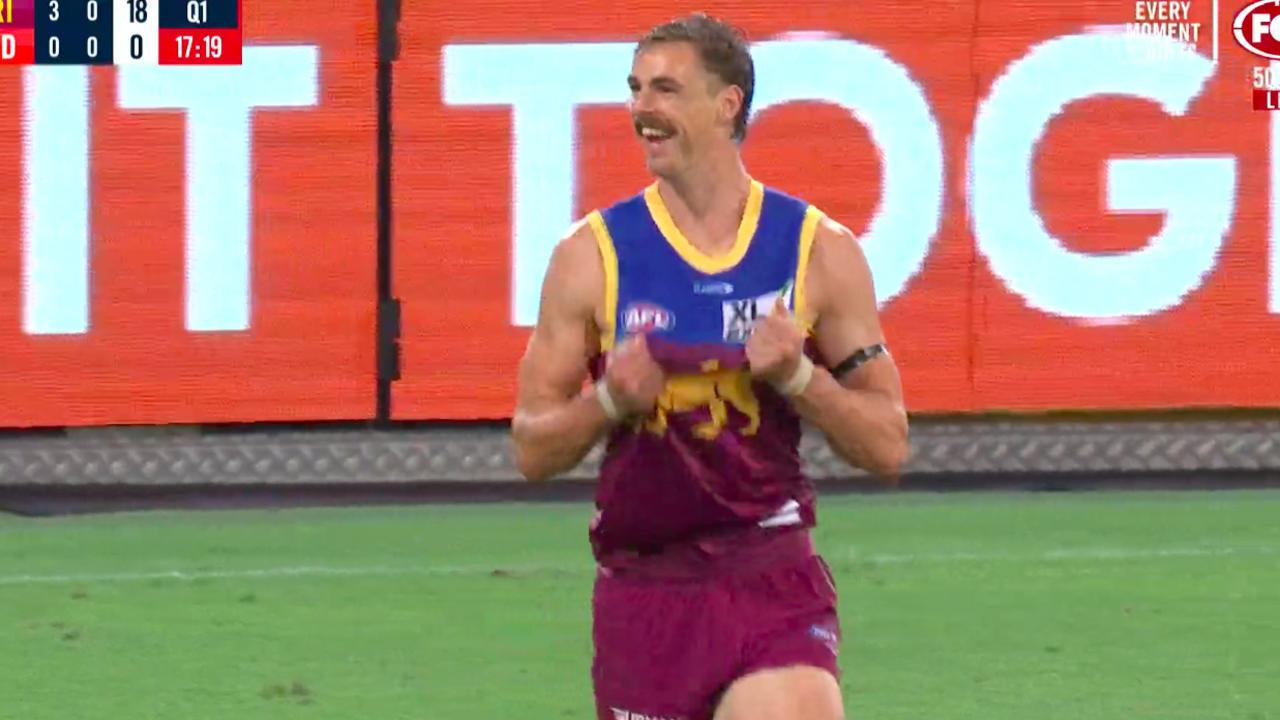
(643, 317)
(718, 392)
(1256, 29)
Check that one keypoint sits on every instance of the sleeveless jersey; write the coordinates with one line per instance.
(719, 454)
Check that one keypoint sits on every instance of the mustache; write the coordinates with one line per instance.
(651, 121)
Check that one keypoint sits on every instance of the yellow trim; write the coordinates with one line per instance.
(609, 258)
(707, 263)
(812, 216)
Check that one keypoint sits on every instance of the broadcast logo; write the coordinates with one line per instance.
(1256, 30)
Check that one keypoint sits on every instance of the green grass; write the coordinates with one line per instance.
(988, 606)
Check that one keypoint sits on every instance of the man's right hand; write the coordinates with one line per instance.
(558, 418)
(635, 379)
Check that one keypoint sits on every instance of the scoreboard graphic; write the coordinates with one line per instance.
(120, 32)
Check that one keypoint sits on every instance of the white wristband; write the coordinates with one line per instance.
(799, 379)
(606, 400)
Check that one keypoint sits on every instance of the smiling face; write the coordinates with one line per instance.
(679, 109)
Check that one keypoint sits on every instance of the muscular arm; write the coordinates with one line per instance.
(862, 415)
(556, 422)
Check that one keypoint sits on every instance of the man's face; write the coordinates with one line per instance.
(677, 107)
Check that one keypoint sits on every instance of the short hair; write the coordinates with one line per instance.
(723, 50)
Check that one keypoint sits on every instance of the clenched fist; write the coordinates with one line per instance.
(776, 346)
(633, 378)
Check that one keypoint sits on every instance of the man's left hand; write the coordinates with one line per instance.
(775, 345)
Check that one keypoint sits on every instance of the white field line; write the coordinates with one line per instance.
(1097, 553)
(322, 571)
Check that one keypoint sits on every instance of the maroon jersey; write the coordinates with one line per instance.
(717, 461)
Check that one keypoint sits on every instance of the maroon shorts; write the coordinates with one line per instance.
(666, 648)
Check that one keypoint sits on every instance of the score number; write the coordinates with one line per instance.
(137, 14)
(91, 14)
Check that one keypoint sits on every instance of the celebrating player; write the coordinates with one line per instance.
(712, 314)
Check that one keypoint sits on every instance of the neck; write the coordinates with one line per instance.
(711, 190)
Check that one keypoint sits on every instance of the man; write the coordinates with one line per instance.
(698, 308)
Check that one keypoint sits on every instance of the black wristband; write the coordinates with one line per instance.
(856, 360)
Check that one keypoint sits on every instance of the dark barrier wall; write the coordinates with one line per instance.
(1061, 212)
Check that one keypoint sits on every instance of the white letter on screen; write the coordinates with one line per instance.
(55, 198)
(881, 94)
(542, 84)
(1197, 194)
(219, 102)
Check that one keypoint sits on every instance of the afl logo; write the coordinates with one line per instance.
(1256, 29)
(647, 317)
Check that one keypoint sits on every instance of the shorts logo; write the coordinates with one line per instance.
(827, 637)
(643, 317)
(628, 715)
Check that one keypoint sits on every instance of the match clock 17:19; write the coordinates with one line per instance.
(200, 47)
(200, 32)
(196, 47)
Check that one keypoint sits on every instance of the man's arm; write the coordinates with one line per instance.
(556, 422)
(862, 414)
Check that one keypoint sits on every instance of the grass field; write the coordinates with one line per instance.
(1103, 606)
